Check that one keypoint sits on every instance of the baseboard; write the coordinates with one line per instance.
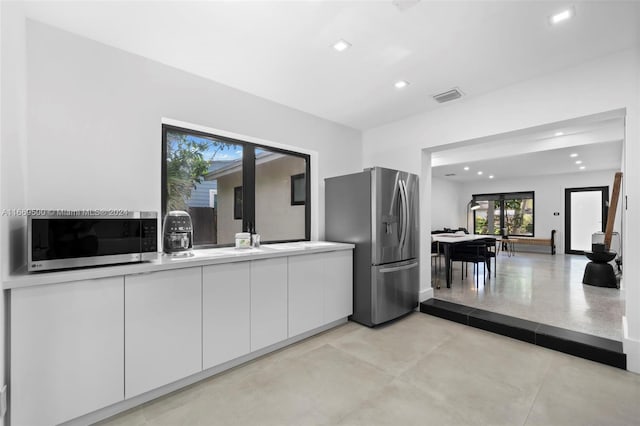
(631, 348)
(426, 294)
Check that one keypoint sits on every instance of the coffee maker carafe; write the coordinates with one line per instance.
(177, 234)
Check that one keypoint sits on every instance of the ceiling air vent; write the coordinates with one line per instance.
(450, 174)
(449, 95)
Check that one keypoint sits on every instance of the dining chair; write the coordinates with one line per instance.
(436, 254)
(472, 252)
(492, 253)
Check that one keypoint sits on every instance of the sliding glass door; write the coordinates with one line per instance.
(504, 214)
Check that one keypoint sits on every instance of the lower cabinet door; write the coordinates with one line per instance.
(226, 318)
(67, 346)
(163, 328)
(268, 302)
(338, 285)
(306, 292)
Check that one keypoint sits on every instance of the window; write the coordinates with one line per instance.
(252, 184)
(298, 189)
(504, 214)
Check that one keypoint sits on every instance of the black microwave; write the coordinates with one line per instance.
(71, 239)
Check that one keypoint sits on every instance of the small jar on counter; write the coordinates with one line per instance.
(243, 240)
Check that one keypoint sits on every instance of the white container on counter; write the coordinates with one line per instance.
(243, 240)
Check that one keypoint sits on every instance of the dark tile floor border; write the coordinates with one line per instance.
(594, 348)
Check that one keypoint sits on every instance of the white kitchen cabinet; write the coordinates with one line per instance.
(320, 289)
(268, 302)
(67, 347)
(338, 285)
(226, 319)
(163, 328)
(306, 293)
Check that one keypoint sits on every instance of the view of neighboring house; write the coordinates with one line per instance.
(274, 172)
(201, 205)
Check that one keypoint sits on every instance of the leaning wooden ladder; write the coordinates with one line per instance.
(613, 206)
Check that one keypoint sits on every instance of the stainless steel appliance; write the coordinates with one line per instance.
(75, 238)
(377, 210)
(177, 234)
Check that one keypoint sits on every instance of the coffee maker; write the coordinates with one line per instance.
(177, 234)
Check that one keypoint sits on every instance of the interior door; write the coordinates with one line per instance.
(585, 213)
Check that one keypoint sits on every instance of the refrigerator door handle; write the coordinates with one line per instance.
(405, 213)
(399, 268)
(407, 220)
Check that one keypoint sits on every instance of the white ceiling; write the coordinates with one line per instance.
(281, 50)
(538, 151)
(600, 156)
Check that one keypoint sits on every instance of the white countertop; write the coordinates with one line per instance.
(200, 257)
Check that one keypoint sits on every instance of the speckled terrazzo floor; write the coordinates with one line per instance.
(541, 288)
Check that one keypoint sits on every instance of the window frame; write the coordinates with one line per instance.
(237, 202)
(248, 179)
(502, 197)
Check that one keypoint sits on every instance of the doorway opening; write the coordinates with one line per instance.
(586, 210)
(529, 281)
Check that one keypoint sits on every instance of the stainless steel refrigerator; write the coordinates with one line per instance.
(377, 210)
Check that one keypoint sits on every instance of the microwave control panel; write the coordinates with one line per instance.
(148, 235)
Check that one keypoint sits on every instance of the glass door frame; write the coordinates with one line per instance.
(567, 213)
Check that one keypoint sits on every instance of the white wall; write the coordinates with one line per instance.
(605, 84)
(549, 197)
(447, 197)
(13, 94)
(94, 125)
(2, 232)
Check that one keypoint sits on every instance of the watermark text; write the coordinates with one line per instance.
(64, 212)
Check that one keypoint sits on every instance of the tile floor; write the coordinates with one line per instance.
(419, 370)
(541, 288)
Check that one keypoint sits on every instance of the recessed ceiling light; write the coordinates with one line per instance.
(562, 16)
(479, 173)
(466, 167)
(341, 45)
(559, 134)
(579, 162)
(490, 176)
(401, 84)
(574, 155)
(582, 167)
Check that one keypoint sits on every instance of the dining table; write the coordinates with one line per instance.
(447, 241)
